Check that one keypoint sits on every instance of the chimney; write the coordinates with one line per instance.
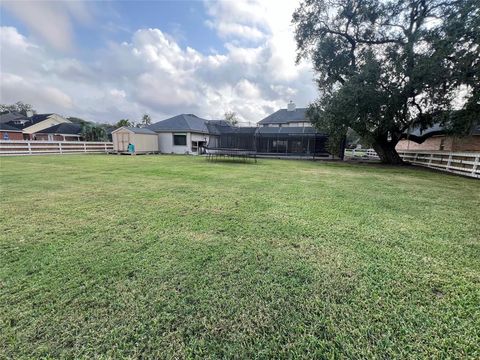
(291, 106)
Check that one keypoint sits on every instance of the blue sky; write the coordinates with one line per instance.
(109, 60)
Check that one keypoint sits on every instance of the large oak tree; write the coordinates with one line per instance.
(384, 67)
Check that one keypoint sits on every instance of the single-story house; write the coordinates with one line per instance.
(9, 132)
(436, 139)
(60, 132)
(144, 140)
(285, 132)
(181, 134)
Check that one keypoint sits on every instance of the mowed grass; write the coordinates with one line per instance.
(177, 257)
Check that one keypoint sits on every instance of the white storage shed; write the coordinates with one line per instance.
(144, 140)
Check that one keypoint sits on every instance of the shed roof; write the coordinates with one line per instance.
(283, 116)
(182, 122)
(136, 130)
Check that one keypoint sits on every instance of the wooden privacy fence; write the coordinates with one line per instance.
(26, 147)
(467, 164)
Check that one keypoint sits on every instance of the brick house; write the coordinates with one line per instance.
(9, 132)
(435, 139)
(30, 126)
(60, 132)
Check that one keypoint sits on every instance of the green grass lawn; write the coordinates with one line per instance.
(177, 257)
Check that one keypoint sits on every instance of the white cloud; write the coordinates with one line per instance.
(14, 87)
(150, 72)
(52, 20)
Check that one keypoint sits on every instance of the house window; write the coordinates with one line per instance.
(194, 146)
(179, 140)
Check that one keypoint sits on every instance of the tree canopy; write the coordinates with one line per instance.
(383, 67)
(231, 117)
(123, 122)
(146, 120)
(19, 107)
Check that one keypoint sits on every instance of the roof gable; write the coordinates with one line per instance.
(136, 130)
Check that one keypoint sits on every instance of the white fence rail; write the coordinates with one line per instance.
(467, 164)
(25, 147)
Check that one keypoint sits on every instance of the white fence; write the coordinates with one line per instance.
(467, 164)
(25, 147)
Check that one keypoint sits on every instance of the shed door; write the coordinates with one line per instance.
(123, 141)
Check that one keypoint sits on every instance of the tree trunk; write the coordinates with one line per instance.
(387, 153)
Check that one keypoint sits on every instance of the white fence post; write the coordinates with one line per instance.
(475, 165)
(449, 162)
(29, 147)
(60, 147)
(84, 147)
(430, 160)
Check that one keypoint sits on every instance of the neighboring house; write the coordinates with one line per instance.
(436, 139)
(14, 119)
(60, 132)
(9, 132)
(39, 122)
(144, 140)
(289, 132)
(289, 117)
(181, 134)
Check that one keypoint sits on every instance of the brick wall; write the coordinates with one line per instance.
(445, 143)
(12, 135)
(467, 143)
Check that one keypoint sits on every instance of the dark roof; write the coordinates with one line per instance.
(138, 130)
(286, 131)
(284, 116)
(8, 127)
(433, 130)
(419, 135)
(182, 122)
(64, 128)
(217, 127)
(39, 117)
(11, 116)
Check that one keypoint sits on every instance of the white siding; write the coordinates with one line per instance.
(165, 140)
